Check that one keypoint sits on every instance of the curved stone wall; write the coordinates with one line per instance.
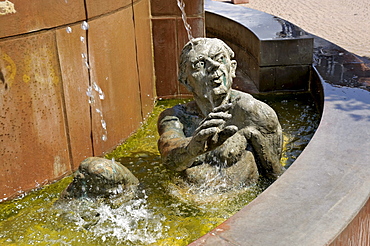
(323, 198)
(47, 62)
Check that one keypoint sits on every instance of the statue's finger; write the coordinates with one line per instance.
(219, 115)
(206, 133)
(222, 108)
(210, 123)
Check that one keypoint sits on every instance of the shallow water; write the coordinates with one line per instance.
(161, 214)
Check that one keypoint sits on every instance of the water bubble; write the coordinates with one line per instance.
(89, 92)
(95, 86)
(103, 124)
(84, 26)
(82, 39)
(101, 95)
(104, 137)
(83, 55)
(69, 29)
(87, 65)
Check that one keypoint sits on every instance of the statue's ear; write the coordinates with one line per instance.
(233, 68)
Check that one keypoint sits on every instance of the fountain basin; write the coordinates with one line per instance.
(323, 198)
(161, 212)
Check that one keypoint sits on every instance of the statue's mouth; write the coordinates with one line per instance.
(217, 78)
(217, 81)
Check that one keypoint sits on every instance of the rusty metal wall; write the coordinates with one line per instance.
(357, 232)
(47, 63)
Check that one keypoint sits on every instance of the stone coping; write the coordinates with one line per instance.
(262, 52)
(328, 184)
(266, 28)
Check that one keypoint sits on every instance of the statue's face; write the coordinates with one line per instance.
(210, 71)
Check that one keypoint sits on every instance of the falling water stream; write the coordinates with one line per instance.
(181, 5)
(161, 213)
(94, 93)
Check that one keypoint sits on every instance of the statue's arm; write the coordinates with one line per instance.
(173, 144)
(178, 151)
(263, 132)
(268, 147)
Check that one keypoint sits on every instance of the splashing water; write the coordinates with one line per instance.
(130, 223)
(181, 5)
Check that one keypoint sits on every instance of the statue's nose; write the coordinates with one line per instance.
(212, 65)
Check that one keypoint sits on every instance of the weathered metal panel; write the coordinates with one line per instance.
(30, 16)
(113, 65)
(33, 137)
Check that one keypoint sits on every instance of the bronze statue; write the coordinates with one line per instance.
(223, 134)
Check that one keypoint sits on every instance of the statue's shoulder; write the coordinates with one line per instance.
(235, 94)
(242, 99)
(178, 110)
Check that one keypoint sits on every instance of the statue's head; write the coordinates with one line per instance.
(206, 66)
(100, 177)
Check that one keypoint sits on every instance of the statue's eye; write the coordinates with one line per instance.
(220, 59)
(198, 65)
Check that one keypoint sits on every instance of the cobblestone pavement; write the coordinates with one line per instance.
(343, 22)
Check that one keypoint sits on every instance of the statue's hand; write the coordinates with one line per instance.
(226, 133)
(212, 132)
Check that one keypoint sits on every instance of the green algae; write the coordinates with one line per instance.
(145, 138)
(157, 216)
